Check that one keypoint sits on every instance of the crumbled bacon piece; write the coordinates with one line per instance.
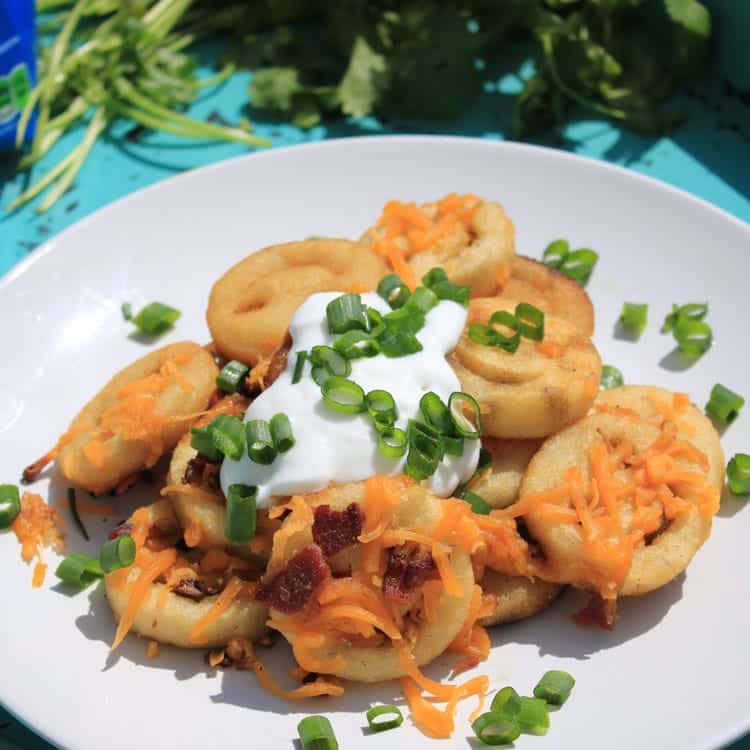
(598, 612)
(407, 570)
(200, 471)
(334, 530)
(195, 589)
(290, 589)
(122, 529)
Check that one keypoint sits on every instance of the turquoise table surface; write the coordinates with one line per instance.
(709, 157)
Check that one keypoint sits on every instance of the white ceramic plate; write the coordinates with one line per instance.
(674, 672)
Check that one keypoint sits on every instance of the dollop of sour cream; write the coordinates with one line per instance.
(332, 447)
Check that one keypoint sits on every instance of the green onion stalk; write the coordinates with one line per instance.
(129, 64)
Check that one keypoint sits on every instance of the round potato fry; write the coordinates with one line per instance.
(516, 597)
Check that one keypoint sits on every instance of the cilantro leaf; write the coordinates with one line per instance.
(365, 80)
(274, 88)
(691, 34)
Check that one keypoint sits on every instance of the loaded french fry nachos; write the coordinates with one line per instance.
(388, 447)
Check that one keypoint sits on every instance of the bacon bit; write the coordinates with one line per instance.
(152, 650)
(598, 612)
(40, 571)
(549, 349)
(335, 530)
(406, 571)
(290, 589)
(121, 529)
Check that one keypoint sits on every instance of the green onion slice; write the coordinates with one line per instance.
(453, 446)
(496, 729)
(554, 687)
(393, 290)
(579, 264)
(458, 404)
(531, 321)
(156, 317)
(260, 444)
(281, 432)
(393, 442)
(400, 345)
(79, 570)
(555, 253)
(76, 516)
(422, 299)
(454, 292)
(346, 313)
(404, 320)
(316, 733)
(117, 553)
(127, 311)
(694, 337)
(693, 310)
(478, 504)
(738, 474)
(434, 277)
(343, 396)
(228, 435)
(382, 408)
(483, 335)
(634, 316)
(507, 701)
(10, 505)
(436, 413)
(299, 366)
(231, 376)
(330, 360)
(381, 725)
(425, 450)
(375, 324)
(724, 404)
(485, 460)
(356, 344)
(320, 375)
(611, 377)
(509, 321)
(239, 526)
(202, 440)
(533, 716)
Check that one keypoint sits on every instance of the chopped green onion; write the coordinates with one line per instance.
(454, 292)
(343, 395)
(694, 337)
(436, 413)
(434, 277)
(239, 526)
(453, 446)
(375, 324)
(422, 299)
(693, 310)
(382, 408)
(299, 366)
(231, 375)
(468, 428)
(260, 445)
(404, 320)
(127, 311)
(533, 716)
(320, 375)
(555, 253)
(738, 474)
(496, 729)
(330, 360)
(355, 344)
(507, 701)
(316, 733)
(202, 440)
(117, 553)
(478, 504)
(425, 450)
(400, 345)
(634, 316)
(483, 335)
(611, 377)
(554, 687)
(724, 404)
(346, 313)
(507, 320)
(393, 290)
(228, 435)
(485, 460)
(393, 442)
(531, 320)
(579, 264)
(156, 317)
(74, 512)
(382, 725)
(281, 432)
(79, 570)
(10, 505)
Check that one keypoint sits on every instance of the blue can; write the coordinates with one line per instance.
(17, 66)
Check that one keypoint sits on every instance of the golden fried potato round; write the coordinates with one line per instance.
(417, 509)
(474, 253)
(499, 484)
(516, 597)
(126, 427)
(551, 291)
(656, 559)
(692, 424)
(528, 394)
(250, 306)
(171, 620)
